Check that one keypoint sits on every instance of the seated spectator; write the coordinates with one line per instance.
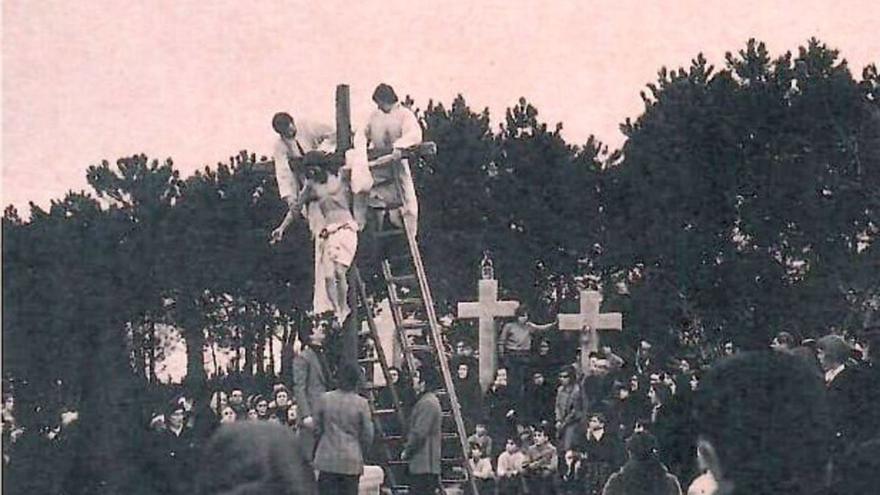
(481, 465)
(510, 467)
(261, 405)
(227, 415)
(541, 464)
(763, 425)
(255, 457)
(236, 401)
(281, 403)
(643, 473)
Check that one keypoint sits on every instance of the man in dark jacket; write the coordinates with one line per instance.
(603, 451)
(422, 450)
(843, 382)
(311, 375)
(643, 473)
(172, 453)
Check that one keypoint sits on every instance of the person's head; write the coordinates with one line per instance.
(349, 376)
(254, 457)
(157, 424)
(283, 124)
(622, 392)
(512, 445)
(426, 380)
(544, 347)
(566, 376)
(763, 424)
(641, 446)
(729, 348)
(282, 398)
(832, 351)
(481, 430)
(8, 402)
(384, 97)
(634, 383)
(319, 334)
(462, 348)
(262, 406)
(501, 377)
(644, 346)
(174, 415)
(219, 400)
(641, 425)
(783, 342)
(462, 371)
(252, 414)
(694, 382)
(227, 415)
(538, 378)
(541, 436)
(394, 374)
(659, 394)
(571, 457)
(526, 434)
(476, 450)
(522, 313)
(684, 366)
(596, 421)
(236, 397)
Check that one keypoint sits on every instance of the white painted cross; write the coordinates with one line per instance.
(589, 321)
(486, 309)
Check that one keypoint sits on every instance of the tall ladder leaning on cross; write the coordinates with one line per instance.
(417, 332)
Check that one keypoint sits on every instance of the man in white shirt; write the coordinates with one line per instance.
(394, 127)
(295, 139)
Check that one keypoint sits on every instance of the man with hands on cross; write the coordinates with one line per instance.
(515, 347)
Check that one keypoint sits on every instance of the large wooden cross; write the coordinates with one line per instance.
(486, 309)
(589, 321)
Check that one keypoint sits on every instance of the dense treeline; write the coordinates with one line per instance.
(745, 200)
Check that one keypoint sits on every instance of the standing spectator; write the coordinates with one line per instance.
(422, 450)
(603, 451)
(510, 467)
(236, 401)
(252, 457)
(500, 408)
(547, 362)
(311, 374)
(470, 397)
(762, 421)
(624, 410)
(345, 429)
(281, 404)
(541, 399)
(842, 381)
(643, 473)
(172, 453)
(568, 412)
(540, 468)
(515, 348)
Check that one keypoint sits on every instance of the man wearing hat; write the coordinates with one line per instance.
(172, 452)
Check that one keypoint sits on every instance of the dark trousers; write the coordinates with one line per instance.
(337, 484)
(518, 364)
(423, 484)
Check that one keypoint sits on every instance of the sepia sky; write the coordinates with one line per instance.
(200, 80)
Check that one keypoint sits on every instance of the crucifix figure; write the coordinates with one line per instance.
(486, 309)
(589, 321)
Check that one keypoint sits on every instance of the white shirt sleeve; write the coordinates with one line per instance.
(288, 187)
(411, 134)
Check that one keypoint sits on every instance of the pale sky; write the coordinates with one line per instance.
(200, 80)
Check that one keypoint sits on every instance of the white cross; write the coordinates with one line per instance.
(589, 321)
(486, 309)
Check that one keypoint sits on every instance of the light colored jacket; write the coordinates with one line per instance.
(424, 438)
(345, 430)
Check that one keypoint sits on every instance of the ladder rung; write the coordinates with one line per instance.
(368, 360)
(390, 233)
(420, 347)
(385, 411)
(414, 325)
(404, 279)
(410, 300)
